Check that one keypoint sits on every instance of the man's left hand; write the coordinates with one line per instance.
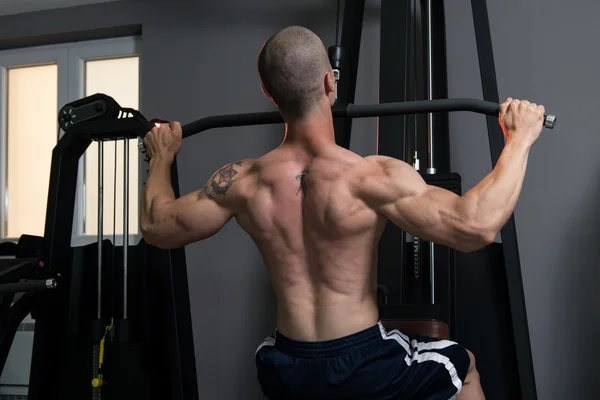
(164, 140)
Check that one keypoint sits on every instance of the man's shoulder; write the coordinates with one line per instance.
(236, 167)
(225, 178)
(386, 164)
(381, 172)
(380, 160)
(375, 164)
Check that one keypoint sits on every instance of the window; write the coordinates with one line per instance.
(34, 84)
(100, 78)
(29, 88)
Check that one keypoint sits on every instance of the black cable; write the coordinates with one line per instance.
(115, 202)
(409, 84)
(414, 64)
(406, 78)
(415, 75)
(114, 238)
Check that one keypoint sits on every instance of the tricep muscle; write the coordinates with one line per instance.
(186, 220)
(399, 193)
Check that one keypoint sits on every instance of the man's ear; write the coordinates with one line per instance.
(329, 82)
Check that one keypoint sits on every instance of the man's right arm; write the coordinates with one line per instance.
(466, 222)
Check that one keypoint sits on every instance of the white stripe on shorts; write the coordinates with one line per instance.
(418, 357)
(269, 341)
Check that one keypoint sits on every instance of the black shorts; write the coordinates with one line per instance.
(368, 365)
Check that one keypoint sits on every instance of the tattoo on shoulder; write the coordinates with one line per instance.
(302, 178)
(207, 192)
(222, 180)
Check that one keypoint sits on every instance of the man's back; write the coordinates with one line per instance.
(317, 237)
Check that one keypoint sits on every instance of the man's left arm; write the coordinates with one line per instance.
(165, 221)
(169, 223)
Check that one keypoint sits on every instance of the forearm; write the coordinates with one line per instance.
(493, 200)
(158, 190)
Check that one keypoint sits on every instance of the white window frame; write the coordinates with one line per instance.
(70, 59)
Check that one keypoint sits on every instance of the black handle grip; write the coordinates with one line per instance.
(149, 126)
(27, 286)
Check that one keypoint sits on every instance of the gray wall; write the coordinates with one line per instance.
(8, 7)
(199, 59)
(544, 51)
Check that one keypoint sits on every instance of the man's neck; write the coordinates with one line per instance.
(314, 131)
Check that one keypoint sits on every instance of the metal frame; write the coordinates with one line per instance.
(12, 318)
(351, 35)
(391, 13)
(54, 316)
(439, 87)
(391, 133)
(11, 315)
(510, 246)
(401, 80)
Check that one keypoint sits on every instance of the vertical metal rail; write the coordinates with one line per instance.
(97, 391)
(125, 221)
(430, 134)
(351, 35)
(429, 79)
(100, 222)
(392, 131)
(3, 154)
(510, 246)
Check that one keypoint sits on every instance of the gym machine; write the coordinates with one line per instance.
(476, 299)
(21, 271)
(152, 353)
(412, 67)
(117, 322)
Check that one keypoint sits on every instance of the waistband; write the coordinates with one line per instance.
(328, 348)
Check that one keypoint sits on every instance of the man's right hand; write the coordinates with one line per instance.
(521, 120)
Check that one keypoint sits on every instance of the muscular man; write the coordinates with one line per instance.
(316, 212)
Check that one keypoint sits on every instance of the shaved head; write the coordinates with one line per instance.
(293, 67)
